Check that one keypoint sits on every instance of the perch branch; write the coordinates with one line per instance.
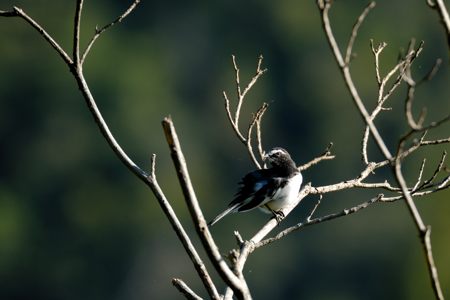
(318, 220)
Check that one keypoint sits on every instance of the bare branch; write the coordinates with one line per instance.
(185, 290)
(432, 71)
(249, 246)
(18, 12)
(241, 95)
(230, 118)
(439, 6)
(76, 34)
(148, 179)
(439, 168)
(410, 95)
(257, 117)
(435, 142)
(238, 284)
(425, 231)
(259, 73)
(401, 68)
(347, 184)
(324, 6)
(239, 239)
(324, 156)
(365, 140)
(99, 31)
(314, 208)
(318, 220)
(376, 52)
(355, 29)
(419, 178)
(256, 121)
(181, 233)
(153, 166)
(258, 130)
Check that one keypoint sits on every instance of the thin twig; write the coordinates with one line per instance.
(99, 31)
(355, 29)
(435, 142)
(419, 178)
(256, 122)
(258, 131)
(230, 118)
(314, 208)
(183, 288)
(324, 156)
(76, 34)
(438, 169)
(376, 53)
(153, 166)
(18, 12)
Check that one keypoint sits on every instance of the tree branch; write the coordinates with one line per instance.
(324, 156)
(183, 288)
(425, 231)
(99, 31)
(439, 6)
(256, 120)
(318, 220)
(324, 6)
(238, 284)
(76, 34)
(148, 179)
(18, 12)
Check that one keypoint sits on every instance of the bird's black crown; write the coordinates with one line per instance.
(280, 158)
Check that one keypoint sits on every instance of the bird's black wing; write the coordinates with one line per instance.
(256, 187)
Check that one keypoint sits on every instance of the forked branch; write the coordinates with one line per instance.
(235, 117)
(324, 7)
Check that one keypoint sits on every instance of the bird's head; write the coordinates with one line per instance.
(278, 157)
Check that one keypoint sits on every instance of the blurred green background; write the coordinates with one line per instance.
(76, 224)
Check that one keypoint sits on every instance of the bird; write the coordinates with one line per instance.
(269, 189)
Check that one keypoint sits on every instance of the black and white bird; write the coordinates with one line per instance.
(268, 189)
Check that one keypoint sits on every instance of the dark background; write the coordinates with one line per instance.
(76, 224)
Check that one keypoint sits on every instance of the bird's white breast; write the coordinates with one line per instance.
(286, 195)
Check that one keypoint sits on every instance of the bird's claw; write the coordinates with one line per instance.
(279, 216)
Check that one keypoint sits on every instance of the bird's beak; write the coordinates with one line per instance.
(265, 156)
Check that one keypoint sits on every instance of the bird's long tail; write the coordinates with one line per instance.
(223, 214)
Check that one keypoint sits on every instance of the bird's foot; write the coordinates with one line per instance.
(279, 216)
